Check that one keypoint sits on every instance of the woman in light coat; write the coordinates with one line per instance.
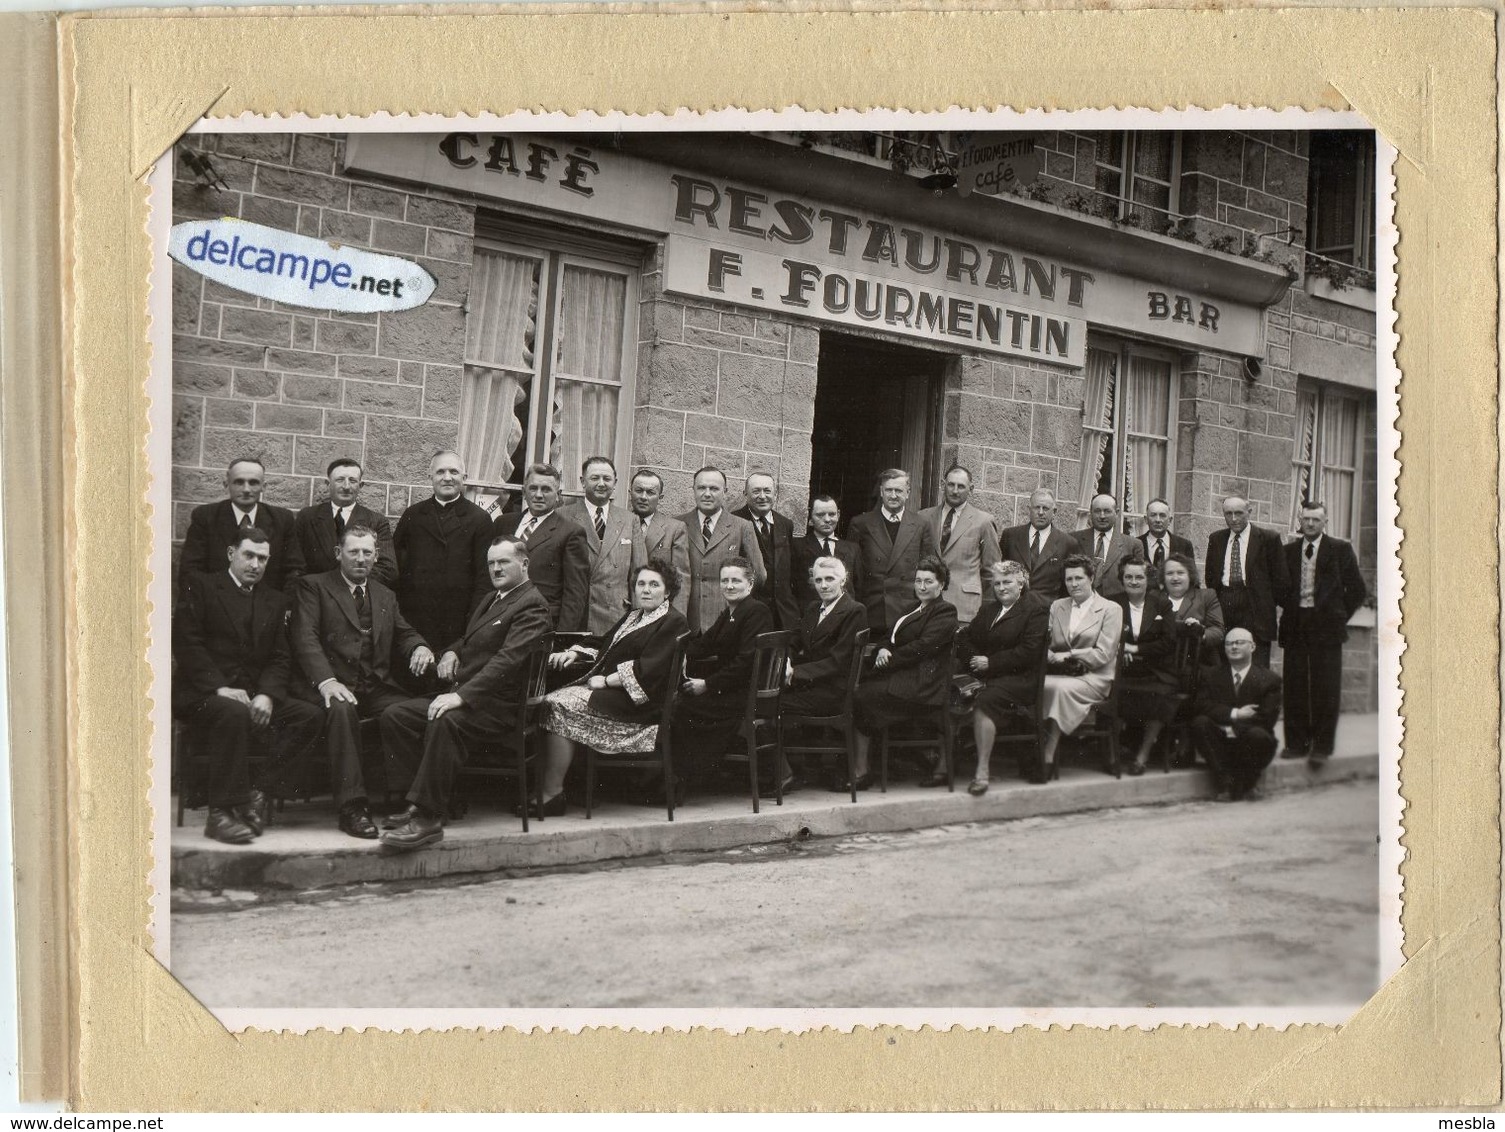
(1085, 629)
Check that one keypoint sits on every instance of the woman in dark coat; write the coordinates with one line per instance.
(614, 706)
(1193, 605)
(1149, 649)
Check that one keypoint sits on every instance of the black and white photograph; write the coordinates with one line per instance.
(845, 568)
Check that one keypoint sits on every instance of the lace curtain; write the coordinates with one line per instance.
(500, 339)
(1147, 408)
(1097, 422)
(588, 369)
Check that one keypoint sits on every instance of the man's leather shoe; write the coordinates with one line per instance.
(418, 831)
(255, 814)
(224, 826)
(555, 807)
(1293, 753)
(356, 821)
(400, 818)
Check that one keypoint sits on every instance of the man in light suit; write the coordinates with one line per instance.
(820, 541)
(1246, 568)
(613, 538)
(891, 540)
(1040, 547)
(215, 526)
(1326, 590)
(775, 542)
(1102, 541)
(968, 540)
(1233, 722)
(318, 528)
(348, 637)
(663, 536)
(715, 536)
(1158, 541)
(558, 553)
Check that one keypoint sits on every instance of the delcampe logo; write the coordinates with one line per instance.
(299, 270)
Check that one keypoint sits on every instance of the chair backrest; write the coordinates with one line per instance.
(535, 690)
(854, 673)
(1188, 658)
(676, 681)
(770, 657)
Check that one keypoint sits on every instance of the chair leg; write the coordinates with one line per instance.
(752, 761)
(882, 761)
(670, 786)
(851, 733)
(590, 780)
(948, 731)
(522, 786)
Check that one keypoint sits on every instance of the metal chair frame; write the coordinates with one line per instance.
(662, 755)
(844, 721)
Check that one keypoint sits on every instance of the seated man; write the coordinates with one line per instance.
(430, 740)
(347, 637)
(229, 639)
(1234, 719)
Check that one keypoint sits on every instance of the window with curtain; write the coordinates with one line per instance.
(1341, 196)
(1127, 420)
(1139, 169)
(1329, 453)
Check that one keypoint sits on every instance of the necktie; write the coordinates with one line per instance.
(946, 527)
(829, 552)
(1236, 569)
(705, 530)
(1238, 678)
(1159, 552)
(525, 531)
(360, 599)
(339, 523)
(600, 525)
(245, 522)
(1034, 545)
(763, 527)
(1102, 547)
(1311, 551)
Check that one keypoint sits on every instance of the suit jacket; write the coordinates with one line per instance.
(441, 565)
(642, 660)
(722, 655)
(1095, 642)
(823, 650)
(213, 651)
(1120, 546)
(1045, 571)
(1340, 590)
(1014, 647)
(313, 530)
(667, 538)
(559, 564)
(1178, 545)
(212, 527)
(612, 561)
(1156, 659)
(1216, 698)
(326, 632)
(1202, 605)
(732, 538)
(777, 590)
(972, 548)
(494, 651)
(918, 668)
(888, 567)
(807, 549)
(1265, 575)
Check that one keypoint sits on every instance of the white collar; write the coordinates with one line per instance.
(447, 502)
(897, 518)
(239, 514)
(236, 580)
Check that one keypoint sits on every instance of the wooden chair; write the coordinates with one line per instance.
(513, 752)
(662, 756)
(764, 687)
(1028, 715)
(844, 721)
(1104, 721)
(937, 718)
(1188, 677)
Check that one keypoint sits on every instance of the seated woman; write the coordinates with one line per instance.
(1083, 653)
(909, 670)
(1193, 605)
(1149, 647)
(1002, 647)
(614, 706)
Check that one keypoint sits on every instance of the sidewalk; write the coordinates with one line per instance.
(305, 851)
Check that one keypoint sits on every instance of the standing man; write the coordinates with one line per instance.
(214, 526)
(820, 541)
(715, 536)
(559, 561)
(348, 638)
(613, 541)
(440, 543)
(1157, 540)
(485, 671)
(891, 541)
(1233, 722)
(663, 536)
(775, 542)
(968, 540)
(1328, 589)
(1039, 547)
(1102, 541)
(1246, 568)
(229, 642)
(319, 528)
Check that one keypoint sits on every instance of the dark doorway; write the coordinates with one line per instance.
(876, 406)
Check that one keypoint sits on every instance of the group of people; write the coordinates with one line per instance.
(292, 630)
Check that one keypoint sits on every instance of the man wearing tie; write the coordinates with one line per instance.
(716, 535)
(968, 540)
(1102, 541)
(318, 529)
(215, 526)
(559, 561)
(1158, 541)
(891, 540)
(1233, 722)
(775, 535)
(612, 539)
(820, 541)
(1327, 590)
(1246, 568)
(1038, 545)
(663, 536)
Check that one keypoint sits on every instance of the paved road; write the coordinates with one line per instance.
(1267, 903)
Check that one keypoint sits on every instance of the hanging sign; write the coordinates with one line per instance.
(996, 163)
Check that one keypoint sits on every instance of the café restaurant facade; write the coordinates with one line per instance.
(1145, 317)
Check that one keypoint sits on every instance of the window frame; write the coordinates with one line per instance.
(1128, 150)
(1363, 204)
(1125, 349)
(1326, 392)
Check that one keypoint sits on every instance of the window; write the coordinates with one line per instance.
(1329, 451)
(1341, 197)
(548, 362)
(1139, 170)
(1127, 425)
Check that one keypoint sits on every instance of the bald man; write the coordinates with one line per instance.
(1246, 568)
(1233, 722)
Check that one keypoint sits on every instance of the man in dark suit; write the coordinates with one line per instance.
(1233, 722)
(348, 636)
(775, 534)
(1039, 547)
(229, 641)
(891, 540)
(716, 537)
(430, 740)
(664, 536)
(215, 526)
(1246, 568)
(1326, 590)
(613, 543)
(317, 529)
(1103, 542)
(1158, 541)
(440, 543)
(559, 561)
(820, 541)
